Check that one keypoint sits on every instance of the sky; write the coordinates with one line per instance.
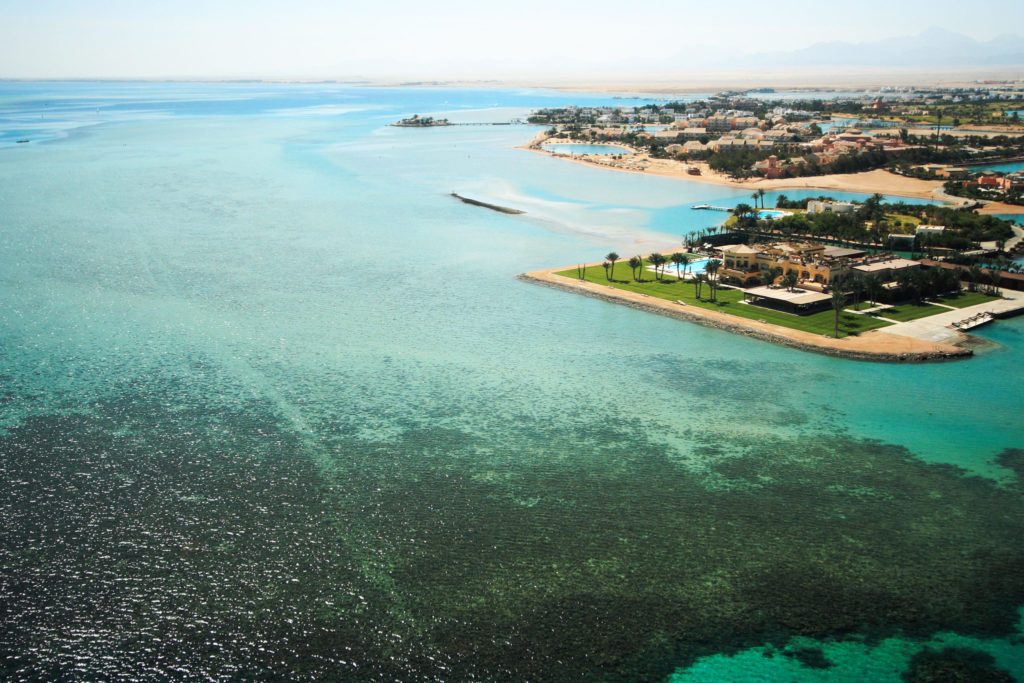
(349, 39)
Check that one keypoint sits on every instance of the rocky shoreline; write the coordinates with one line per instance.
(698, 316)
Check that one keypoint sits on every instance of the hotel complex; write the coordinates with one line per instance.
(815, 266)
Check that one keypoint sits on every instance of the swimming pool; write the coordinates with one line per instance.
(689, 270)
(571, 148)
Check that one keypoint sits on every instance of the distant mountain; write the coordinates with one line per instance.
(933, 48)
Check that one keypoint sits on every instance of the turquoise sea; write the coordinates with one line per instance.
(1011, 167)
(274, 406)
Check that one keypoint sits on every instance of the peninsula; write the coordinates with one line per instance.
(874, 345)
(822, 276)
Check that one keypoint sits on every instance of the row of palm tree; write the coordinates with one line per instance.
(660, 261)
(697, 236)
(609, 265)
(711, 271)
(758, 195)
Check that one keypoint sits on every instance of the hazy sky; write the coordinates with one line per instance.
(319, 38)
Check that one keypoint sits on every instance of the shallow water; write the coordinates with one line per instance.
(1010, 167)
(273, 404)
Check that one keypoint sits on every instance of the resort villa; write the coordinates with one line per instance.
(812, 266)
(815, 266)
(825, 206)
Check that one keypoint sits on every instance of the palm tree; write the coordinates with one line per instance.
(699, 279)
(838, 301)
(711, 268)
(679, 259)
(873, 287)
(977, 275)
(958, 273)
(761, 193)
(612, 258)
(858, 290)
(657, 260)
(634, 263)
(995, 277)
(754, 197)
(790, 279)
(873, 207)
(742, 209)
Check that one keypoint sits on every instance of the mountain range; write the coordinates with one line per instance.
(934, 48)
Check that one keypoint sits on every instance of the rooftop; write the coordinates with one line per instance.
(798, 297)
(842, 252)
(887, 264)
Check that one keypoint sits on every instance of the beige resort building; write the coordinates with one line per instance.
(815, 265)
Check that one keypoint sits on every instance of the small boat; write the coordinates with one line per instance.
(976, 320)
(701, 206)
(22, 141)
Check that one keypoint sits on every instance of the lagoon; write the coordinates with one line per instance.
(268, 387)
(1011, 167)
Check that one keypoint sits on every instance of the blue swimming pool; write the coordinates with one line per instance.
(688, 271)
(586, 149)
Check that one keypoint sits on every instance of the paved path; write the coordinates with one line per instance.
(1018, 235)
(938, 327)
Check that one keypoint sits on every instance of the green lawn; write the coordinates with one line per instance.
(965, 298)
(907, 312)
(729, 301)
(902, 218)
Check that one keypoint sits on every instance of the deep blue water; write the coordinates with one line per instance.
(274, 406)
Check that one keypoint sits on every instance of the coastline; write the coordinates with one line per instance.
(865, 182)
(875, 345)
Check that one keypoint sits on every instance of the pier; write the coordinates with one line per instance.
(949, 327)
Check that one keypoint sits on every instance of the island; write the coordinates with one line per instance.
(417, 121)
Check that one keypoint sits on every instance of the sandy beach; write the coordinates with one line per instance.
(999, 208)
(867, 182)
(874, 345)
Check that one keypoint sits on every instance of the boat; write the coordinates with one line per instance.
(976, 320)
(701, 206)
(22, 141)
